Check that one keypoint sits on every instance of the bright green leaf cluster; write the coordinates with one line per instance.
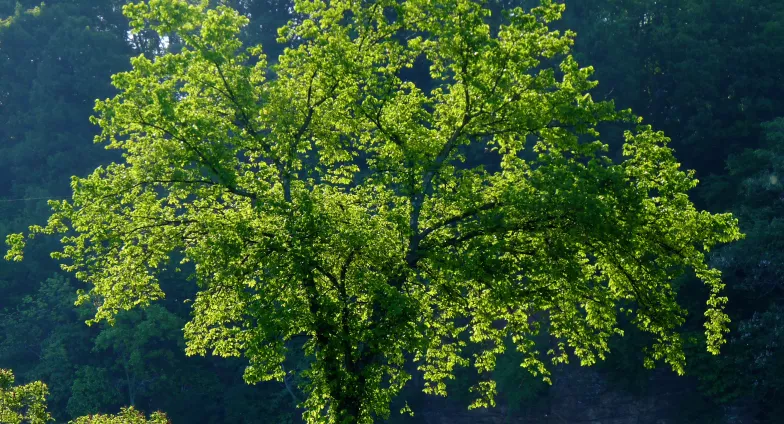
(18, 12)
(126, 416)
(22, 404)
(27, 404)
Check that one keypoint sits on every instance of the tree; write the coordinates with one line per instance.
(44, 337)
(27, 404)
(706, 72)
(751, 367)
(22, 404)
(341, 207)
(145, 346)
(126, 416)
(54, 60)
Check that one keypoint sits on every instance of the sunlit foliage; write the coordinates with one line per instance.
(22, 404)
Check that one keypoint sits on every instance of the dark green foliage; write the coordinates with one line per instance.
(708, 72)
(43, 336)
(518, 388)
(55, 60)
(752, 367)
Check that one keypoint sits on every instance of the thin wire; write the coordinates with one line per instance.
(31, 198)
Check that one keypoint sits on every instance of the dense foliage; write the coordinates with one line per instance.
(26, 403)
(706, 72)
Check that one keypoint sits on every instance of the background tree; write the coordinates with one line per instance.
(126, 416)
(754, 275)
(45, 337)
(260, 184)
(54, 61)
(49, 78)
(22, 404)
(27, 404)
(706, 72)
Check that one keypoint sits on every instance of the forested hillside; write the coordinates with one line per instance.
(708, 73)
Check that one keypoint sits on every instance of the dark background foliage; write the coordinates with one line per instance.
(707, 72)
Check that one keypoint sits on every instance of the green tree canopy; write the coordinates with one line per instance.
(22, 404)
(377, 218)
(27, 404)
(126, 416)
